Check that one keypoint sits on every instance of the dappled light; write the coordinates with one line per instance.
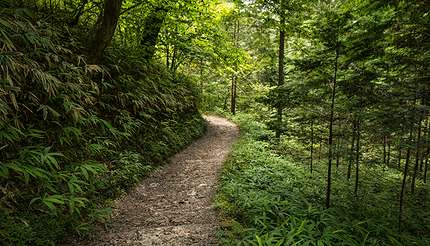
(119, 122)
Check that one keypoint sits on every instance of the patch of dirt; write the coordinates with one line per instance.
(174, 205)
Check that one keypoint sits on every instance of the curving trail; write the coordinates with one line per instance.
(174, 205)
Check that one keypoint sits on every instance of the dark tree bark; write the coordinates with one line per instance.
(281, 74)
(151, 28)
(167, 56)
(234, 77)
(233, 94)
(105, 29)
(330, 134)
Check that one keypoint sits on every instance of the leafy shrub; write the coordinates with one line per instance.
(74, 135)
(269, 199)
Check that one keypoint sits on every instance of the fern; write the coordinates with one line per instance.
(74, 135)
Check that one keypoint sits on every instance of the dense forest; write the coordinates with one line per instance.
(332, 98)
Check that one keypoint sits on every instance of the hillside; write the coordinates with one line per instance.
(74, 135)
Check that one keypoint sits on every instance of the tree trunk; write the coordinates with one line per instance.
(281, 75)
(417, 156)
(234, 77)
(330, 134)
(233, 95)
(152, 26)
(104, 30)
(167, 56)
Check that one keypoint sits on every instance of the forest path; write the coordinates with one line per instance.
(174, 205)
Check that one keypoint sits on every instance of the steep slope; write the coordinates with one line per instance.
(75, 135)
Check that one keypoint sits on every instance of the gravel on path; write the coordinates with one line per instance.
(174, 204)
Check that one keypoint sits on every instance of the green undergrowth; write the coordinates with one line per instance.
(267, 198)
(73, 136)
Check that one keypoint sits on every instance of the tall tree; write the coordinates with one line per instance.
(151, 29)
(104, 29)
(234, 76)
(330, 36)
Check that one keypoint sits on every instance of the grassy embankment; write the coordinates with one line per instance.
(73, 136)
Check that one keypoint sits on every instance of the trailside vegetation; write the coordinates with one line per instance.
(332, 98)
(342, 87)
(269, 197)
(79, 124)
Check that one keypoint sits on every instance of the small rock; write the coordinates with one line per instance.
(193, 193)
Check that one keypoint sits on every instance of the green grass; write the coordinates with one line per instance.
(271, 199)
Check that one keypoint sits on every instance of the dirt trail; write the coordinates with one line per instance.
(174, 205)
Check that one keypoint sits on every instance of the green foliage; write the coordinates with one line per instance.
(73, 136)
(269, 199)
